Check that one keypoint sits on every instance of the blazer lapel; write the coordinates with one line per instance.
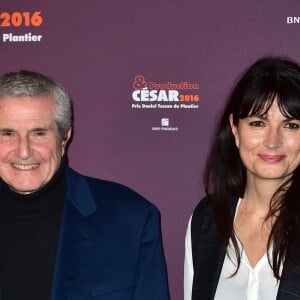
(208, 262)
(209, 253)
(76, 236)
(289, 286)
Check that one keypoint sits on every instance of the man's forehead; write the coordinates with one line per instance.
(23, 97)
(31, 110)
(45, 101)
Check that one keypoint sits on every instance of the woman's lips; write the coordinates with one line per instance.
(271, 158)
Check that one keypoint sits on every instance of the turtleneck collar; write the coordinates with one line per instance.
(41, 203)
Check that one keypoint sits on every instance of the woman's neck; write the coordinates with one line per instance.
(259, 192)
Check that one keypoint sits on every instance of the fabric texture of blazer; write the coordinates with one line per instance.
(109, 246)
(209, 254)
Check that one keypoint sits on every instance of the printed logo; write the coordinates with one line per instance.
(165, 126)
(164, 122)
(18, 19)
(153, 95)
(292, 20)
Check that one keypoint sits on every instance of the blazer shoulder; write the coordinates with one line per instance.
(112, 193)
(203, 209)
(203, 221)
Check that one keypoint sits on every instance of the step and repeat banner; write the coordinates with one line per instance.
(148, 80)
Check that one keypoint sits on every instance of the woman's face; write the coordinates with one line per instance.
(269, 145)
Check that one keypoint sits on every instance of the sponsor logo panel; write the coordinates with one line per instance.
(170, 95)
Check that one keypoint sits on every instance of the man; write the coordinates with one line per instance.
(64, 235)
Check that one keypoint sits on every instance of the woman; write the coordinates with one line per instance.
(243, 240)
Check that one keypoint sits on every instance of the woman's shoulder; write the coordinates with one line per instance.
(203, 225)
(203, 216)
(203, 207)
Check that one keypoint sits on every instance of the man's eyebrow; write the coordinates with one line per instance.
(6, 130)
(41, 129)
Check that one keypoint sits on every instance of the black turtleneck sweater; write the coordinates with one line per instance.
(29, 230)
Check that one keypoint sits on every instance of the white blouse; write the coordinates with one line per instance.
(248, 283)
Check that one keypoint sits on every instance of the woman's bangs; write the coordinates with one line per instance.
(258, 101)
(288, 101)
(258, 104)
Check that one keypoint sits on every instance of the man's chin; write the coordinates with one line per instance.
(24, 189)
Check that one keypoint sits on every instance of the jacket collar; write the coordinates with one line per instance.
(79, 193)
(76, 235)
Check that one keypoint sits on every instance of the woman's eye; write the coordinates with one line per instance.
(292, 125)
(257, 123)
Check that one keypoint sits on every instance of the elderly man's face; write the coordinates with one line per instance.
(30, 146)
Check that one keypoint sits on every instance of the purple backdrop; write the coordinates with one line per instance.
(96, 48)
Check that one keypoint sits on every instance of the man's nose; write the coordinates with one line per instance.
(24, 149)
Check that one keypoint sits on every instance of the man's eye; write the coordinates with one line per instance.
(257, 123)
(7, 134)
(39, 133)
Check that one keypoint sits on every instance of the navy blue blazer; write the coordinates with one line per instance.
(110, 245)
(209, 255)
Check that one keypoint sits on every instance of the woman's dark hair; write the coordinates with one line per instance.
(267, 80)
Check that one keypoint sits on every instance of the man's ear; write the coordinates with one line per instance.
(64, 142)
(234, 131)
